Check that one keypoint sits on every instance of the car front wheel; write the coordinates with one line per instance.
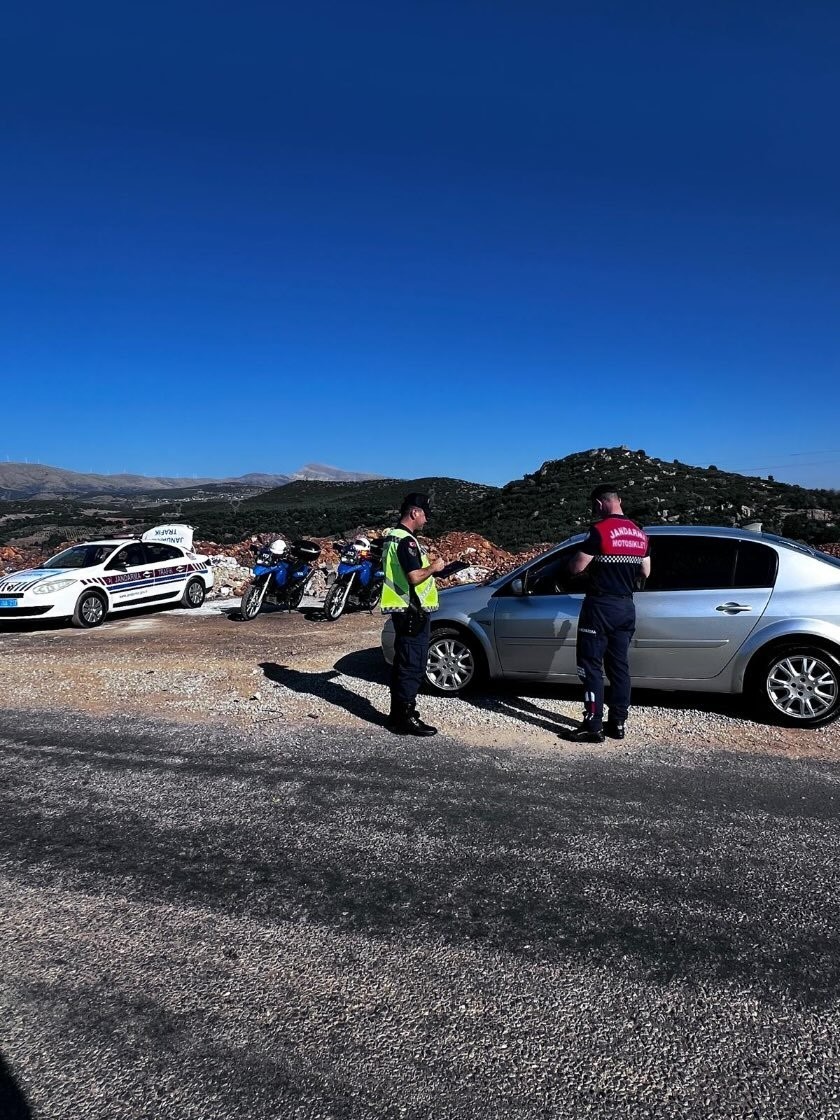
(799, 686)
(90, 610)
(454, 664)
(194, 594)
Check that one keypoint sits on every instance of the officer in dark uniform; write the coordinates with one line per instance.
(615, 555)
(409, 595)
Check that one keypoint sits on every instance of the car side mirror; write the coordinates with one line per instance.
(518, 587)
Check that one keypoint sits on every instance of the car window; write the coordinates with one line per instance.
(551, 576)
(80, 556)
(756, 565)
(688, 563)
(130, 556)
(157, 553)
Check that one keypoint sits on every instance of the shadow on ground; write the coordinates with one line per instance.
(13, 1104)
(325, 686)
(369, 665)
(725, 869)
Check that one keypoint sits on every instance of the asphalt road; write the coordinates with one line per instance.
(300, 923)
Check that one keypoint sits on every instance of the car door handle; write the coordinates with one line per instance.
(733, 608)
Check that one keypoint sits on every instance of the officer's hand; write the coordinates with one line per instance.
(437, 565)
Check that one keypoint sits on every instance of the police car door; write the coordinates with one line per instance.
(536, 632)
(171, 569)
(129, 577)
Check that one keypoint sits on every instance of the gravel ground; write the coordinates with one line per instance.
(272, 922)
(227, 891)
(205, 666)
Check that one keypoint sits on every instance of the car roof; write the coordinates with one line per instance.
(725, 531)
(733, 532)
(105, 540)
(707, 531)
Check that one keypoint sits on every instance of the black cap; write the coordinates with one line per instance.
(421, 501)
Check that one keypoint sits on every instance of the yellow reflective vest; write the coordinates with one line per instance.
(396, 590)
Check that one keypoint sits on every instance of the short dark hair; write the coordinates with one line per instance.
(605, 490)
(420, 501)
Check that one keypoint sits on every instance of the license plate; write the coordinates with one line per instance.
(8, 602)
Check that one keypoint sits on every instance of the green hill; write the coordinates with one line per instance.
(552, 502)
(544, 506)
(322, 509)
(547, 505)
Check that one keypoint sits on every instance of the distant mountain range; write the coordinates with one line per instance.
(23, 481)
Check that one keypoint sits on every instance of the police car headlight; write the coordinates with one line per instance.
(53, 585)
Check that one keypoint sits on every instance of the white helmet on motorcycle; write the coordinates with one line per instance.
(277, 548)
(361, 544)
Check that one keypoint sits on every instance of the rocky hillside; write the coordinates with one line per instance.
(552, 502)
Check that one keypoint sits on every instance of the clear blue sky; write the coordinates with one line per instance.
(420, 238)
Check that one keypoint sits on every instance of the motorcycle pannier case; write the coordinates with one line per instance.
(306, 550)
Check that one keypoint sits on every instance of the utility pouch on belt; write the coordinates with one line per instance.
(413, 622)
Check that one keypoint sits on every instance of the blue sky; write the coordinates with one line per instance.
(442, 238)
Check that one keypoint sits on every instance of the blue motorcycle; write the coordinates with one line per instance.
(359, 578)
(282, 573)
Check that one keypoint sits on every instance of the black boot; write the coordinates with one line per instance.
(614, 729)
(404, 720)
(425, 728)
(584, 734)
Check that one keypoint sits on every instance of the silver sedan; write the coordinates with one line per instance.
(724, 610)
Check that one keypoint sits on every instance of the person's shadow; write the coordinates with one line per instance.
(368, 665)
(325, 686)
(13, 1104)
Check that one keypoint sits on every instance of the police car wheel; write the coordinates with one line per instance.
(194, 594)
(90, 611)
(454, 664)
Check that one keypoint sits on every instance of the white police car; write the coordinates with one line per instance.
(88, 581)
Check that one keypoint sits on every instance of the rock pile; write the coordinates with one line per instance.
(232, 562)
(15, 559)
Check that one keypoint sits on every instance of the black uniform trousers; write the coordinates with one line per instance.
(411, 650)
(605, 630)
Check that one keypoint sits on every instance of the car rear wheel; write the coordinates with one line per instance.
(454, 665)
(194, 594)
(799, 686)
(90, 610)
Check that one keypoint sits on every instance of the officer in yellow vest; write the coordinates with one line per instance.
(409, 595)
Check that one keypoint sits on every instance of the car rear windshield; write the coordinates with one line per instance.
(810, 549)
(81, 556)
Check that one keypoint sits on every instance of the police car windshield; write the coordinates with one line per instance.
(80, 556)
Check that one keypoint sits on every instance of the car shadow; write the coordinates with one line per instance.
(47, 625)
(520, 698)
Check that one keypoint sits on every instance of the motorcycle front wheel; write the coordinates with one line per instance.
(336, 600)
(251, 601)
(295, 595)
